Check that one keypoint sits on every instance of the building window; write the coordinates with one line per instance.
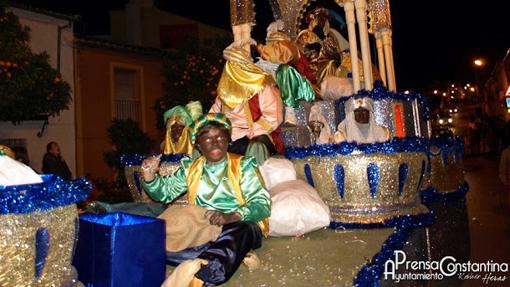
(126, 94)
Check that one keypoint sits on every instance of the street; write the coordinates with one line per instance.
(489, 215)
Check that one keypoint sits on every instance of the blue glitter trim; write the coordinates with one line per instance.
(51, 193)
(371, 273)
(403, 171)
(431, 195)
(448, 145)
(136, 159)
(42, 245)
(380, 93)
(396, 145)
(373, 178)
(308, 174)
(339, 174)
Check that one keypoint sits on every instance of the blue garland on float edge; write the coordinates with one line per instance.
(431, 195)
(448, 146)
(395, 145)
(51, 193)
(136, 159)
(380, 93)
(370, 273)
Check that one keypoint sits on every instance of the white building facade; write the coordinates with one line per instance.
(53, 34)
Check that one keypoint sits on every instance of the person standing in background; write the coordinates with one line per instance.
(54, 163)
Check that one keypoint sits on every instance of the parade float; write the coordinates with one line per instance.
(406, 193)
(38, 217)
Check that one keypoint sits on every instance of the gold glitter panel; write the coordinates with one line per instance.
(445, 178)
(380, 16)
(357, 204)
(293, 12)
(17, 248)
(241, 12)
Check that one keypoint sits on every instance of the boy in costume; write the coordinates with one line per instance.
(226, 184)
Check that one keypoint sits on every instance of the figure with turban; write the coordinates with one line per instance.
(359, 124)
(250, 99)
(230, 187)
(177, 120)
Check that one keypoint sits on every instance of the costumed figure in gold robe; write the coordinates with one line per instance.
(177, 120)
(250, 99)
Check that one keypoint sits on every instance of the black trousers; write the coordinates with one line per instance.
(225, 254)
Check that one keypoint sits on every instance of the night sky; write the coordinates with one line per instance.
(434, 41)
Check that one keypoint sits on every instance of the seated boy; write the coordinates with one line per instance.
(226, 184)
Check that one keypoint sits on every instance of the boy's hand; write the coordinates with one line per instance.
(219, 218)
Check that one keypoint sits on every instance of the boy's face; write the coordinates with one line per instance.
(213, 144)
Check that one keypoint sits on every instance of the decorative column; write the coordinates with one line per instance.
(361, 15)
(353, 47)
(388, 53)
(380, 20)
(380, 56)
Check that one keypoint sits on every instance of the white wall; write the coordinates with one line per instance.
(44, 37)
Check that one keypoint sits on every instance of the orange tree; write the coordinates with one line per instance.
(29, 86)
(192, 73)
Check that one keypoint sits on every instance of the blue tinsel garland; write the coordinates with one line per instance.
(431, 195)
(136, 159)
(51, 193)
(396, 145)
(448, 146)
(370, 273)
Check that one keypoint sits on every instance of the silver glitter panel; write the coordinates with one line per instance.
(298, 136)
(301, 114)
(424, 123)
(18, 248)
(408, 119)
(328, 110)
(416, 117)
(384, 114)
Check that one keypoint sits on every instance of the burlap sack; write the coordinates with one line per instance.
(188, 226)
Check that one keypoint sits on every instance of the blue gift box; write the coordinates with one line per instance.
(120, 249)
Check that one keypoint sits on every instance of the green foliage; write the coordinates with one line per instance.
(192, 73)
(29, 86)
(127, 138)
